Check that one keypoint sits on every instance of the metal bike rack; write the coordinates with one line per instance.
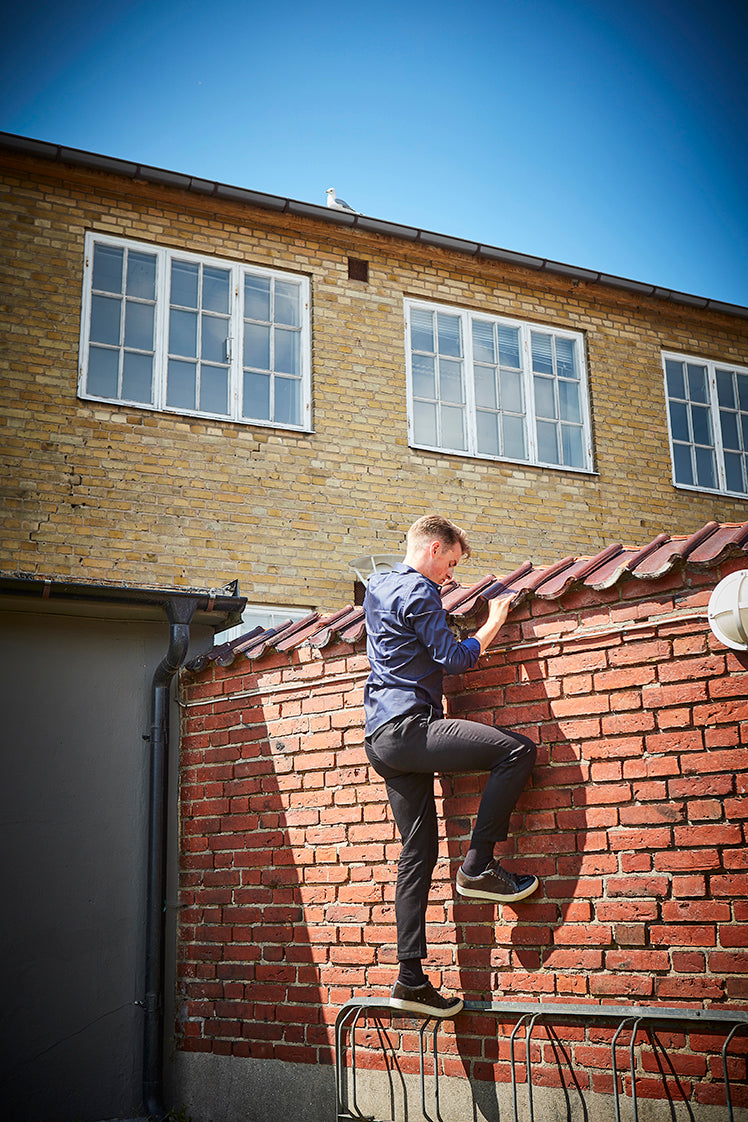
(375, 1010)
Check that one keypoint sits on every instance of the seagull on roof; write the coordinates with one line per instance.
(338, 204)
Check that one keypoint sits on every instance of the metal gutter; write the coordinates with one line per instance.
(76, 157)
(179, 612)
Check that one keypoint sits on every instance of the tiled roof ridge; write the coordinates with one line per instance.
(706, 548)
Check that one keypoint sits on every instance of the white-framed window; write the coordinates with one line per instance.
(707, 423)
(170, 330)
(486, 386)
(260, 615)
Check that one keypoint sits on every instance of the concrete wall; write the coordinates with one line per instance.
(635, 822)
(116, 493)
(75, 703)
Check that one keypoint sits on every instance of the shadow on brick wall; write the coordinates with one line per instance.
(510, 952)
(249, 981)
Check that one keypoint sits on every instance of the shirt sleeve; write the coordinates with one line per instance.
(429, 621)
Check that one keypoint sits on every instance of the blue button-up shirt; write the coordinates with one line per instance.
(409, 645)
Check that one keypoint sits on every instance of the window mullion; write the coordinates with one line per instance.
(160, 330)
(469, 373)
(122, 310)
(719, 451)
(409, 404)
(235, 343)
(529, 387)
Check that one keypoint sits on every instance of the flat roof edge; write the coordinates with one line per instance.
(161, 176)
(212, 599)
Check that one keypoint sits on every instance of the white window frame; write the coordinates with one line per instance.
(467, 315)
(712, 368)
(238, 270)
(260, 615)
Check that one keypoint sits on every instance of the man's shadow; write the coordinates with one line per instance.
(505, 953)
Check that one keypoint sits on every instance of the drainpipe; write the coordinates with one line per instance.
(179, 612)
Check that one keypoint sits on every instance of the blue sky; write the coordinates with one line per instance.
(608, 134)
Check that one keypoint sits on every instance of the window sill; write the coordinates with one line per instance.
(212, 418)
(469, 457)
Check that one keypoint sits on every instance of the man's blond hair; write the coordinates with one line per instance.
(433, 527)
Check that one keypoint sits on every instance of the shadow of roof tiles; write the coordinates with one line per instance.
(708, 547)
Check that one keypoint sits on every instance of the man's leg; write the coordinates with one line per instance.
(411, 796)
(412, 800)
(459, 746)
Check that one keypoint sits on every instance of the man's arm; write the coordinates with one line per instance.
(498, 610)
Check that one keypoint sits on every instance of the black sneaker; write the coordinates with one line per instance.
(424, 1000)
(496, 884)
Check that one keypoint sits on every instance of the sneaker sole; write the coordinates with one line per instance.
(426, 1010)
(496, 897)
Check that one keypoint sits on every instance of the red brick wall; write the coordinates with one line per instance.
(635, 822)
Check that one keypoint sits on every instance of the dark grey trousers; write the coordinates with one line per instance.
(407, 752)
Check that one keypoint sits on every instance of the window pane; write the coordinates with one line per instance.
(257, 297)
(542, 354)
(511, 392)
(485, 387)
(679, 421)
(214, 388)
(183, 333)
(488, 433)
(141, 275)
(105, 320)
(453, 435)
(257, 346)
(483, 341)
(744, 427)
(545, 398)
(137, 377)
(734, 472)
(697, 389)
(702, 425)
(181, 384)
(742, 380)
(139, 325)
(676, 386)
(725, 389)
(705, 472)
(450, 341)
(421, 330)
(566, 366)
(215, 289)
(547, 443)
(287, 401)
(184, 279)
(450, 380)
(568, 399)
(730, 434)
(682, 463)
(107, 268)
(424, 423)
(509, 346)
(287, 303)
(287, 351)
(424, 382)
(256, 396)
(573, 445)
(513, 432)
(103, 372)
(215, 330)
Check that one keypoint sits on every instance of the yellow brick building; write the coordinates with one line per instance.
(147, 493)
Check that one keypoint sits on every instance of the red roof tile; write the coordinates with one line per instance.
(708, 547)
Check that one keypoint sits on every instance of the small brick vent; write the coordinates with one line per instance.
(358, 270)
